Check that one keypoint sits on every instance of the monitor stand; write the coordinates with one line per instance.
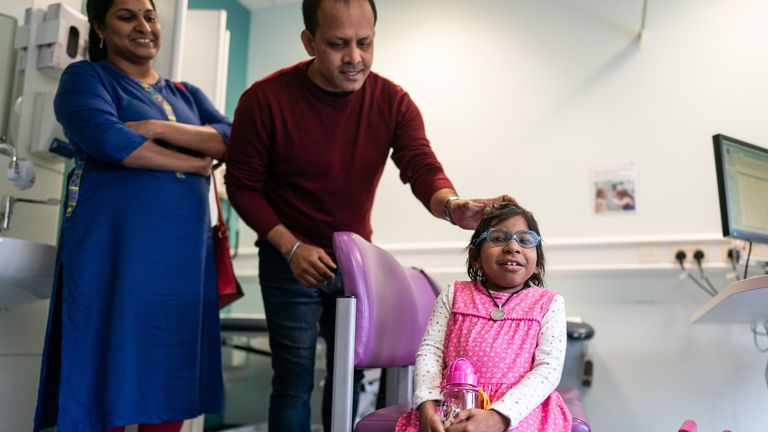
(744, 301)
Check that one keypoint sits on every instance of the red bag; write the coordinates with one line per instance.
(229, 288)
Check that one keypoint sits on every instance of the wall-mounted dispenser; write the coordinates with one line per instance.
(7, 71)
(53, 36)
(48, 139)
(62, 38)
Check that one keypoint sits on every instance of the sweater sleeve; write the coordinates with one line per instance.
(545, 372)
(413, 155)
(428, 371)
(248, 155)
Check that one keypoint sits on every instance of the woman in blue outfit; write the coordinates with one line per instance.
(133, 331)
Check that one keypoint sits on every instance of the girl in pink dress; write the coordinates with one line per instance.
(510, 328)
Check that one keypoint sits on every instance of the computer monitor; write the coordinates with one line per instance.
(742, 180)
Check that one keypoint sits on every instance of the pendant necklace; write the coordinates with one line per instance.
(498, 313)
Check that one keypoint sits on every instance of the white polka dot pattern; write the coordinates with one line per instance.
(518, 359)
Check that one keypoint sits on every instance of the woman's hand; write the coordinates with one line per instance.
(477, 420)
(429, 420)
(151, 129)
(202, 139)
(205, 166)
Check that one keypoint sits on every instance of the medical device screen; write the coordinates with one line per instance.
(742, 180)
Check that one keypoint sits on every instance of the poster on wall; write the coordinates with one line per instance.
(613, 188)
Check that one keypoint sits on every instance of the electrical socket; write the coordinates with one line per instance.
(759, 251)
(690, 251)
(648, 254)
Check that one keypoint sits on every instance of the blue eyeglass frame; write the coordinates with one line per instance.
(510, 237)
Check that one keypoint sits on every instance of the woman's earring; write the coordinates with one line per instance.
(101, 42)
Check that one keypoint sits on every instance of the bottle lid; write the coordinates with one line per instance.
(461, 372)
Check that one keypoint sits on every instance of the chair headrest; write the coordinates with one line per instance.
(394, 303)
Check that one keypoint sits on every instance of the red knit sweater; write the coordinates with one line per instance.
(303, 158)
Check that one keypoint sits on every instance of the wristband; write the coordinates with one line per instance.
(293, 251)
(447, 208)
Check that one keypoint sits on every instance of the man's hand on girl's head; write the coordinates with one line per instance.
(467, 213)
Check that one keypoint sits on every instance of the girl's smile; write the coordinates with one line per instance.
(507, 267)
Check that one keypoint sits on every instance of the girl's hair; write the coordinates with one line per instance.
(97, 15)
(493, 216)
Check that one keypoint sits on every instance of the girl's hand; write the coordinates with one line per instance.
(149, 128)
(429, 420)
(477, 420)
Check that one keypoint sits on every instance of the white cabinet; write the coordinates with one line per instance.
(205, 53)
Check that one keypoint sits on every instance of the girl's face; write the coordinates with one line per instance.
(507, 267)
(131, 31)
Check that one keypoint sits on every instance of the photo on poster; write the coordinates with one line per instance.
(613, 188)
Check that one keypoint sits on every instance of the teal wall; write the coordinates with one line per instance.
(238, 24)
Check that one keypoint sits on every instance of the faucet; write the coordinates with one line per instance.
(20, 172)
(6, 207)
(10, 151)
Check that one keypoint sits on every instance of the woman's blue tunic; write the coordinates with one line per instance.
(133, 330)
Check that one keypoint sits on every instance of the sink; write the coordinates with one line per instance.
(26, 271)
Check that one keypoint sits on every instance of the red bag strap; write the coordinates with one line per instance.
(218, 204)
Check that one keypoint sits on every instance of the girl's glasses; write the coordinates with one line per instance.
(500, 237)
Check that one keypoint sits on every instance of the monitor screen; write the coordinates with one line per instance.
(742, 180)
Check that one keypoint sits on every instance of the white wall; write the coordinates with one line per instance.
(524, 97)
(553, 88)
(22, 328)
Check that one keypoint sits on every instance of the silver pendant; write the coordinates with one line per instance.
(498, 314)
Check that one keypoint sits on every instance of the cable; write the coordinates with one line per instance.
(733, 256)
(698, 255)
(755, 334)
(680, 257)
(749, 253)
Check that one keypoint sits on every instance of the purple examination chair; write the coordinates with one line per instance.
(691, 426)
(379, 324)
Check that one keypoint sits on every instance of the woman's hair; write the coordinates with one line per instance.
(493, 216)
(97, 15)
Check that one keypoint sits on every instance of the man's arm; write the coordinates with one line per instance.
(419, 166)
(246, 178)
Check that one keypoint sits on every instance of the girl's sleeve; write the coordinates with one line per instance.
(209, 115)
(88, 115)
(428, 371)
(545, 372)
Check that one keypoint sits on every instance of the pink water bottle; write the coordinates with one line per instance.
(460, 391)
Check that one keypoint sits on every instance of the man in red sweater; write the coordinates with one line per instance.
(308, 147)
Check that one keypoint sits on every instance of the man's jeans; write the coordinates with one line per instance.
(294, 314)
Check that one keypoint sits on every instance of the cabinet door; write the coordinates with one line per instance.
(205, 53)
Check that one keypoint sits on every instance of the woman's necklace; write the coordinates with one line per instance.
(499, 313)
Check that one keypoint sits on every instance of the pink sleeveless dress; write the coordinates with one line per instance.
(500, 351)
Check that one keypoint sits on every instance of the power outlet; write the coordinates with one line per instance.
(690, 251)
(759, 252)
(648, 254)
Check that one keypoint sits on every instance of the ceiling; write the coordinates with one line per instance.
(264, 4)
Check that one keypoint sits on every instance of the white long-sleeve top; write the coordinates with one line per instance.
(521, 399)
